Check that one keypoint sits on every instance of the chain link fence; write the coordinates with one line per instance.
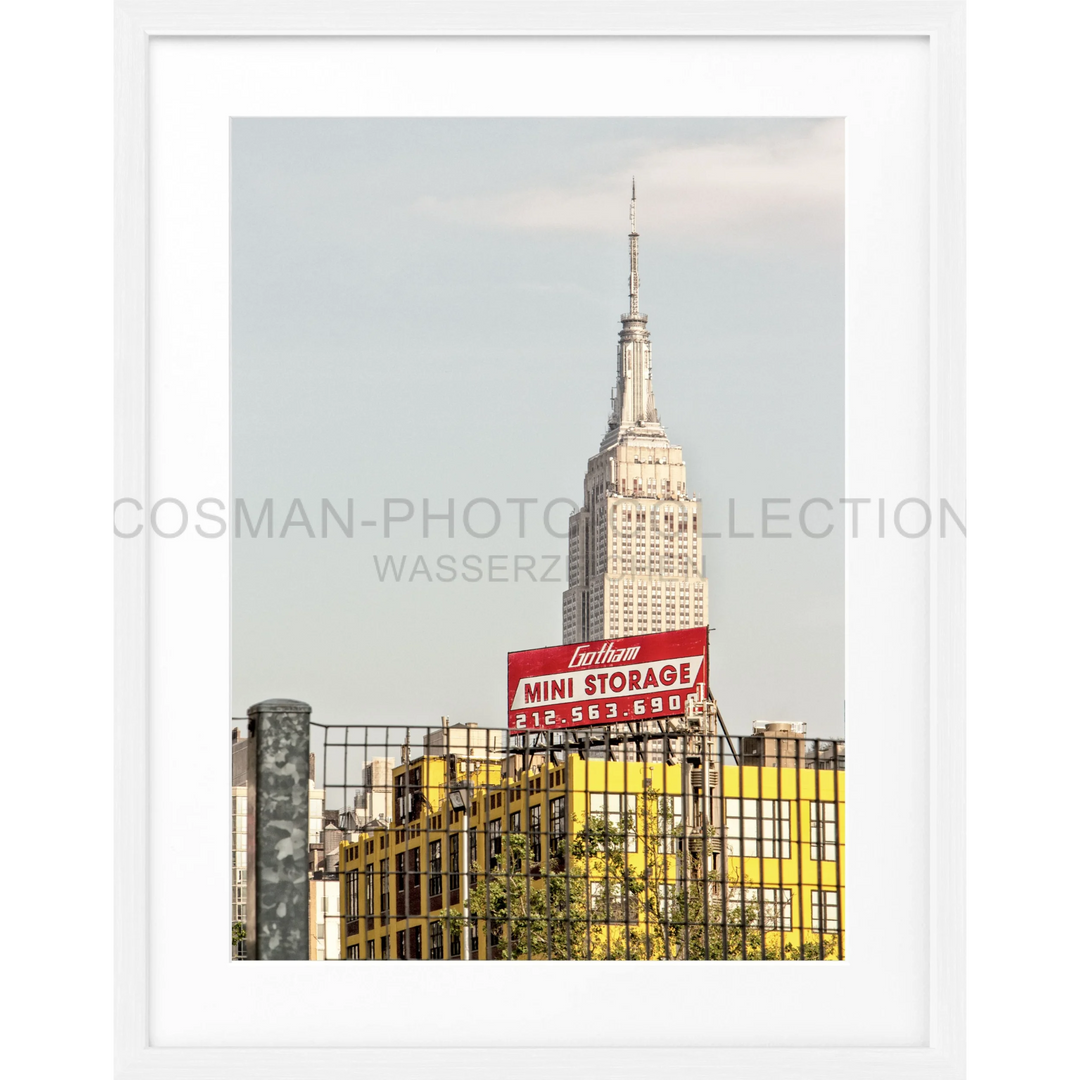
(652, 840)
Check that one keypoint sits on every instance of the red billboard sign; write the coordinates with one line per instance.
(607, 682)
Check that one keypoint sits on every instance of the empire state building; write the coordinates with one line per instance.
(635, 544)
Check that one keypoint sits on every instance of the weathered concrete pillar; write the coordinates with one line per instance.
(277, 920)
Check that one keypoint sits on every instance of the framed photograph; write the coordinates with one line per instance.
(540, 472)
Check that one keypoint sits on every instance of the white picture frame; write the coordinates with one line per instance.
(138, 24)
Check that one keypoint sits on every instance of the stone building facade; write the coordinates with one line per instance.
(635, 556)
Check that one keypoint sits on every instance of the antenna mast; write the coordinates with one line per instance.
(633, 249)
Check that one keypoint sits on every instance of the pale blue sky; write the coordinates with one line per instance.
(429, 308)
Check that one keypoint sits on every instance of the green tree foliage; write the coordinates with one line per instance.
(702, 934)
(589, 900)
(582, 904)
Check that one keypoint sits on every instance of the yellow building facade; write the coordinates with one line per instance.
(578, 858)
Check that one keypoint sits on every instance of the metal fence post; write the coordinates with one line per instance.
(277, 919)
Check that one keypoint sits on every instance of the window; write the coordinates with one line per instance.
(417, 801)
(435, 868)
(384, 886)
(748, 907)
(399, 868)
(823, 831)
(435, 944)
(414, 868)
(620, 814)
(352, 952)
(455, 862)
(369, 889)
(515, 822)
(384, 947)
(824, 912)
(401, 945)
(494, 842)
(455, 944)
(371, 949)
(608, 902)
(557, 819)
(352, 894)
(665, 899)
(416, 943)
(535, 817)
(669, 823)
(239, 894)
(759, 828)
(472, 855)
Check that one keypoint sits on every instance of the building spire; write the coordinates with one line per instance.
(633, 408)
(633, 248)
